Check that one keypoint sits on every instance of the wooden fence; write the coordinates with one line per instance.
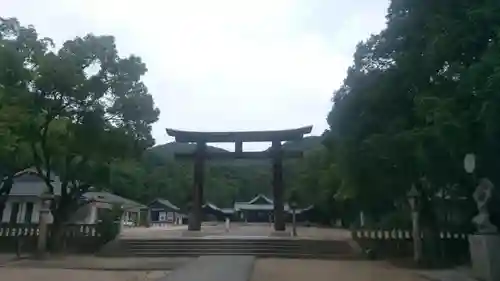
(79, 238)
(454, 246)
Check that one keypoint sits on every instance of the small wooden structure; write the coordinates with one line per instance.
(276, 154)
(163, 212)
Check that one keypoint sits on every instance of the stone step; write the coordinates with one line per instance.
(219, 242)
(230, 240)
(316, 244)
(258, 254)
(326, 246)
(235, 242)
(261, 255)
(152, 246)
(273, 249)
(197, 247)
(231, 248)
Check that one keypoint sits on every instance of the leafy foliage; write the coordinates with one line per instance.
(226, 181)
(80, 109)
(82, 112)
(109, 224)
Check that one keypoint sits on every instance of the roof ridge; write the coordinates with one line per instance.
(260, 195)
(166, 202)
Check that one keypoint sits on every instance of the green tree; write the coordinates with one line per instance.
(87, 108)
(14, 150)
(418, 97)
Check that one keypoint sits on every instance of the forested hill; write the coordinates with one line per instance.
(225, 181)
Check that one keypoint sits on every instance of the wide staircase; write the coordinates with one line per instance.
(284, 248)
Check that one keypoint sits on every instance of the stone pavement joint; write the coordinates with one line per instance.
(214, 268)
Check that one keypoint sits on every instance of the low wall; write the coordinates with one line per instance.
(399, 243)
(23, 237)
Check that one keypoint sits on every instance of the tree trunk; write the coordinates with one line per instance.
(61, 213)
(56, 239)
(432, 252)
(4, 192)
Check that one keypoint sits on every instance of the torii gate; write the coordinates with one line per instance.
(275, 153)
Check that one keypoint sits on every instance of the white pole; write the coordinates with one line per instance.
(227, 224)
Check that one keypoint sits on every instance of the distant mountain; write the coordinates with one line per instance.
(225, 180)
(177, 147)
(166, 151)
(304, 144)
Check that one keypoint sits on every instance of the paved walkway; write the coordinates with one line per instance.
(322, 270)
(98, 263)
(214, 268)
(84, 268)
(38, 274)
(6, 258)
(458, 274)
(205, 268)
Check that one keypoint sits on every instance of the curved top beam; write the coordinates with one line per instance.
(248, 136)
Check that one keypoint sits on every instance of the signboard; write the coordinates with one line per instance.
(162, 216)
(470, 163)
(170, 217)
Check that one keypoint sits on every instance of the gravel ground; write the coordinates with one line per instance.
(30, 274)
(214, 268)
(99, 263)
(321, 270)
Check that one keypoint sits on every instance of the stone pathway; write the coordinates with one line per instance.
(214, 268)
(77, 268)
(459, 274)
(99, 263)
(324, 270)
(38, 274)
(84, 268)
(6, 258)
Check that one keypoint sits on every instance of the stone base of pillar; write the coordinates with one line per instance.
(194, 228)
(42, 255)
(278, 227)
(281, 233)
(192, 233)
(485, 256)
(193, 223)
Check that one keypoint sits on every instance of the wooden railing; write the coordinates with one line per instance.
(77, 238)
(387, 243)
(31, 230)
(400, 234)
(77, 230)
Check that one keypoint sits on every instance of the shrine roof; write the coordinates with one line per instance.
(261, 199)
(242, 136)
(165, 203)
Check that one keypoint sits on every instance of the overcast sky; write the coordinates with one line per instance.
(223, 64)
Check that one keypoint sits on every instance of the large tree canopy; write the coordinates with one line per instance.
(419, 96)
(81, 108)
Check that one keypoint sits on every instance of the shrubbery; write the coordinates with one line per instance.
(109, 223)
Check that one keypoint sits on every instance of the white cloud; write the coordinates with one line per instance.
(224, 64)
